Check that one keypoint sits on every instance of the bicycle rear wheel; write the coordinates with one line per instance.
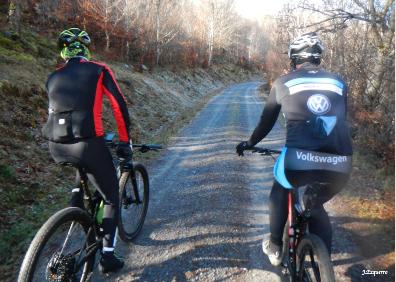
(313, 260)
(134, 199)
(58, 252)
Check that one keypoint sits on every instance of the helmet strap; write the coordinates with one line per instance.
(298, 61)
(293, 64)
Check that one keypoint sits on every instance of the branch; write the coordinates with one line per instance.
(341, 17)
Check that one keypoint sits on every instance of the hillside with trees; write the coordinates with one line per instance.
(358, 36)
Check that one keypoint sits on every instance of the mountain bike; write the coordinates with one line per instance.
(304, 255)
(66, 246)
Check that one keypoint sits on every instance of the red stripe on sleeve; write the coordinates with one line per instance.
(122, 130)
(98, 106)
(112, 76)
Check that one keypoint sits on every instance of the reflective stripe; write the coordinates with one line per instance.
(107, 249)
(76, 190)
(315, 86)
(279, 170)
(115, 237)
(303, 80)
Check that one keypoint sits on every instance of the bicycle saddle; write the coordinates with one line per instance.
(306, 195)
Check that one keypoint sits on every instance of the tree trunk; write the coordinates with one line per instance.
(210, 41)
(127, 51)
(157, 29)
(106, 23)
(14, 16)
(107, 40)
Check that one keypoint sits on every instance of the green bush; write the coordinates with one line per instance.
(13, 56)
(9, 44)
(7, 172)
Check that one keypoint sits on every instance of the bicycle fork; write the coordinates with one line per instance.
(132, 175)
(135, 188)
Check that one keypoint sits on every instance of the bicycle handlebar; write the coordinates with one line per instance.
(147, 147)
(142, 147)
(265, 151)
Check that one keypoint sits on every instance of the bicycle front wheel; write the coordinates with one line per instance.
(313, 260)
(58, 252)
(134, 199)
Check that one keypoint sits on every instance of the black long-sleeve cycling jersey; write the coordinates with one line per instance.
(314, 104)
(75, 94)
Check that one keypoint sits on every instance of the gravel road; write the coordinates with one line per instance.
(208, 207)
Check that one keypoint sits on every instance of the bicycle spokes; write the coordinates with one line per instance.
(61, 254)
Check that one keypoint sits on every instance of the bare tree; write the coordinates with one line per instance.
(219, 27)
(166, 27)
(105, 13)
(14, 15)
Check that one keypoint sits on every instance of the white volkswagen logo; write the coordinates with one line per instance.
(319, 104)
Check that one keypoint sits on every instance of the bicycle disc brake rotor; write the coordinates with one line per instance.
(60, 268)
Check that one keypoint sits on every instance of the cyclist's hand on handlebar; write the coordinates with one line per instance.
(144, 149)
(242, 147)
(124, 151)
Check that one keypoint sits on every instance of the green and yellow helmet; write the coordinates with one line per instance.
(74, 42)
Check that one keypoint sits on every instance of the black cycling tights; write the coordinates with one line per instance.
(93, 155)
(320, 222)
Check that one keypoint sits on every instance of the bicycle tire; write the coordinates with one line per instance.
(315, 246)
(140, 170)
(43, 236)
(285, 242)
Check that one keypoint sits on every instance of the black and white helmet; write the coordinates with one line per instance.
(306, 46)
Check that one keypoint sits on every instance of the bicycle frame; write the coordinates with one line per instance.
(297, 226)
(92, 209)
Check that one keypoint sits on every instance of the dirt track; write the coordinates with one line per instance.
(209, 208)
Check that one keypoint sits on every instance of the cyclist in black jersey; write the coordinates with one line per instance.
(318, 146)
(75, 132)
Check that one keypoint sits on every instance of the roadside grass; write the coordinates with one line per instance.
(368, 205)
(371, 190)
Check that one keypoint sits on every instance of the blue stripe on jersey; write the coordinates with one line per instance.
(279, 170)
(303, 80)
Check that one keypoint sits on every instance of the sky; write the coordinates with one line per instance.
(255, 9)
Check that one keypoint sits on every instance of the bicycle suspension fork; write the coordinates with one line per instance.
(132, 175)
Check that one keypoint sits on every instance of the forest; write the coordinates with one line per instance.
(358, 38)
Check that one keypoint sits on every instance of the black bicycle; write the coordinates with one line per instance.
(65, 247)
(304, 255)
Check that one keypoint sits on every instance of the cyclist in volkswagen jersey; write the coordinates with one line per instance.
(318, 146)
(75, 132)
